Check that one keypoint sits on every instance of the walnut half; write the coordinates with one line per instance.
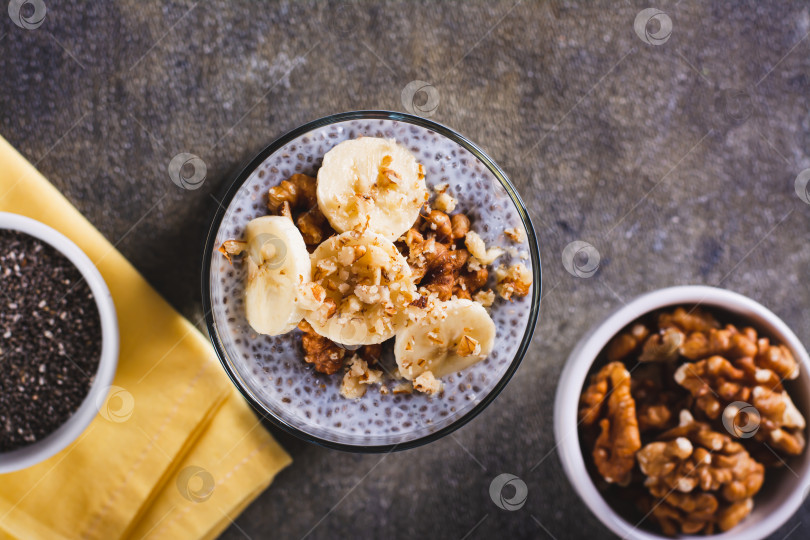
(608, 400)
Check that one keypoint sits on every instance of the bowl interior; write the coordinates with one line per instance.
(271, 370)
(784, 488)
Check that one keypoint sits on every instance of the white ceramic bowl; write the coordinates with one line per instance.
(76, 424)
(784, 489)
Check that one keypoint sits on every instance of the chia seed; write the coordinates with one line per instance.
(50, 339)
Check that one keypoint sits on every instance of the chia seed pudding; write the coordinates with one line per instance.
(272, 369)
(50, 339)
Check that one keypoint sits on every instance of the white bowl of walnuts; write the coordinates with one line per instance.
(683, 414)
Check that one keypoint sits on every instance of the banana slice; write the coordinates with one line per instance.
(368, 285)
(455, 335)
(278, 265)
(371, 182)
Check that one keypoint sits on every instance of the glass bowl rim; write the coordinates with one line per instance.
(228, 192)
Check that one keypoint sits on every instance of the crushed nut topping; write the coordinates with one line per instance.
(513, 281)
(232, 247)
(298, 191)
(468, 346)
(444, 202)
(358, 377)
(515, 234)
(478, 249)
(485, 297)
(427, 383)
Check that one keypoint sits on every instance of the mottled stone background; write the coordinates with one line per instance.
(675, 161)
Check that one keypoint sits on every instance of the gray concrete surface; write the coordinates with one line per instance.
(675, 161)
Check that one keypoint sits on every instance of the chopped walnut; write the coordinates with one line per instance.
(608, 400)
(313, 226)
(515, 235)
(325, 355)
(403, 388)
(485, 297)
(443, 271)
(411, 237)
(444, 202)
(468, 346)
(460, 225)
(461, 293)
(427, 383)
(514, 281)
(421, 253)
(311, 295)
(370, 353)
(700, 478)
(299, 191)
(325, 310)
(368, 294)
(286, 211)
(438, 224)
(478, 249)
(470, 282)
(358, 377)
(232, 247)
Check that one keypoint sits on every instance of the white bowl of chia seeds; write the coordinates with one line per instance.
(270, 370)
(58, 341)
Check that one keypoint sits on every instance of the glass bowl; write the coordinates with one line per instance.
(270, 370)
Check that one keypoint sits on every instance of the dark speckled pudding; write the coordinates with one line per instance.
(271, 371)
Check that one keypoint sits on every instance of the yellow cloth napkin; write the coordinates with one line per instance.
(179, 453)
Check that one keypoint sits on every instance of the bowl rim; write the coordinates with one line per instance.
(68, 432)
(232, 188)
(579, 363)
